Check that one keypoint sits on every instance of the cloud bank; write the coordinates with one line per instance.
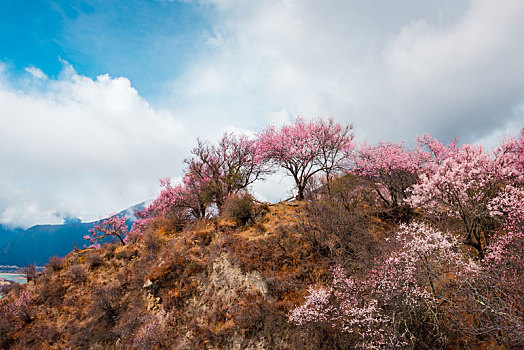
(83, 147)
(396, 69)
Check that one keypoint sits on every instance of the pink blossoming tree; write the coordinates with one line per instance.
(375, 310)
(520, 151)
(393, 169)
(113, 227)
(437, 151)
(492, 297)
(305, 148)
(225, 169)
(462, 184)
(179, 203)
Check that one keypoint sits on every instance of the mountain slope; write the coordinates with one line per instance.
(38, 243)
(7, 233)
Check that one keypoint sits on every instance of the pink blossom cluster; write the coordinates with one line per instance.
(359, 312)
(392, 167)
(171, 199)
(465, 177)
(386, 158)
(470, 184)
(508, 248)
(177, 202)
(305, 148)
(509, 160)
(348, 307)
(509, 202)
(115, 226)
(21, 307)
(520, 151)
(317, 307)
(405, 280)
(506, 252)
(292, 143)
(460, 179)
(436, 151)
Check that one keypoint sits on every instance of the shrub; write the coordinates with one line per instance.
(51, 291)
(6, 327)
(125, 254)
(241, 208)
(106, 304)
(337, 223)
(55, 263)
(77, 274)
(152, 241)
(94, 260)
(30, 272)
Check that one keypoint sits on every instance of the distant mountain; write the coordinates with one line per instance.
(7, 233)
(38, 243)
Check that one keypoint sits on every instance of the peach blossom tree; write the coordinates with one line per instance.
(225, 169)
(113, 227)
(463, 184)
(306, 148)
(376, 310)
(392, 170)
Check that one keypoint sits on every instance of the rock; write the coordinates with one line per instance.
(229, 280)
(148, 284)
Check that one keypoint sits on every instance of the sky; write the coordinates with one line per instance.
(101, 99)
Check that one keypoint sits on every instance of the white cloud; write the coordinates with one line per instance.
(279, 118)
(82, 147)
(36, 72)
(276, 187)
(396, 69)
(466, 78)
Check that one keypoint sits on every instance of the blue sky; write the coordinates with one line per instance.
(148, 42)
(100, 99)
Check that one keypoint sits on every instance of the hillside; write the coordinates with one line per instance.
(216, 285)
